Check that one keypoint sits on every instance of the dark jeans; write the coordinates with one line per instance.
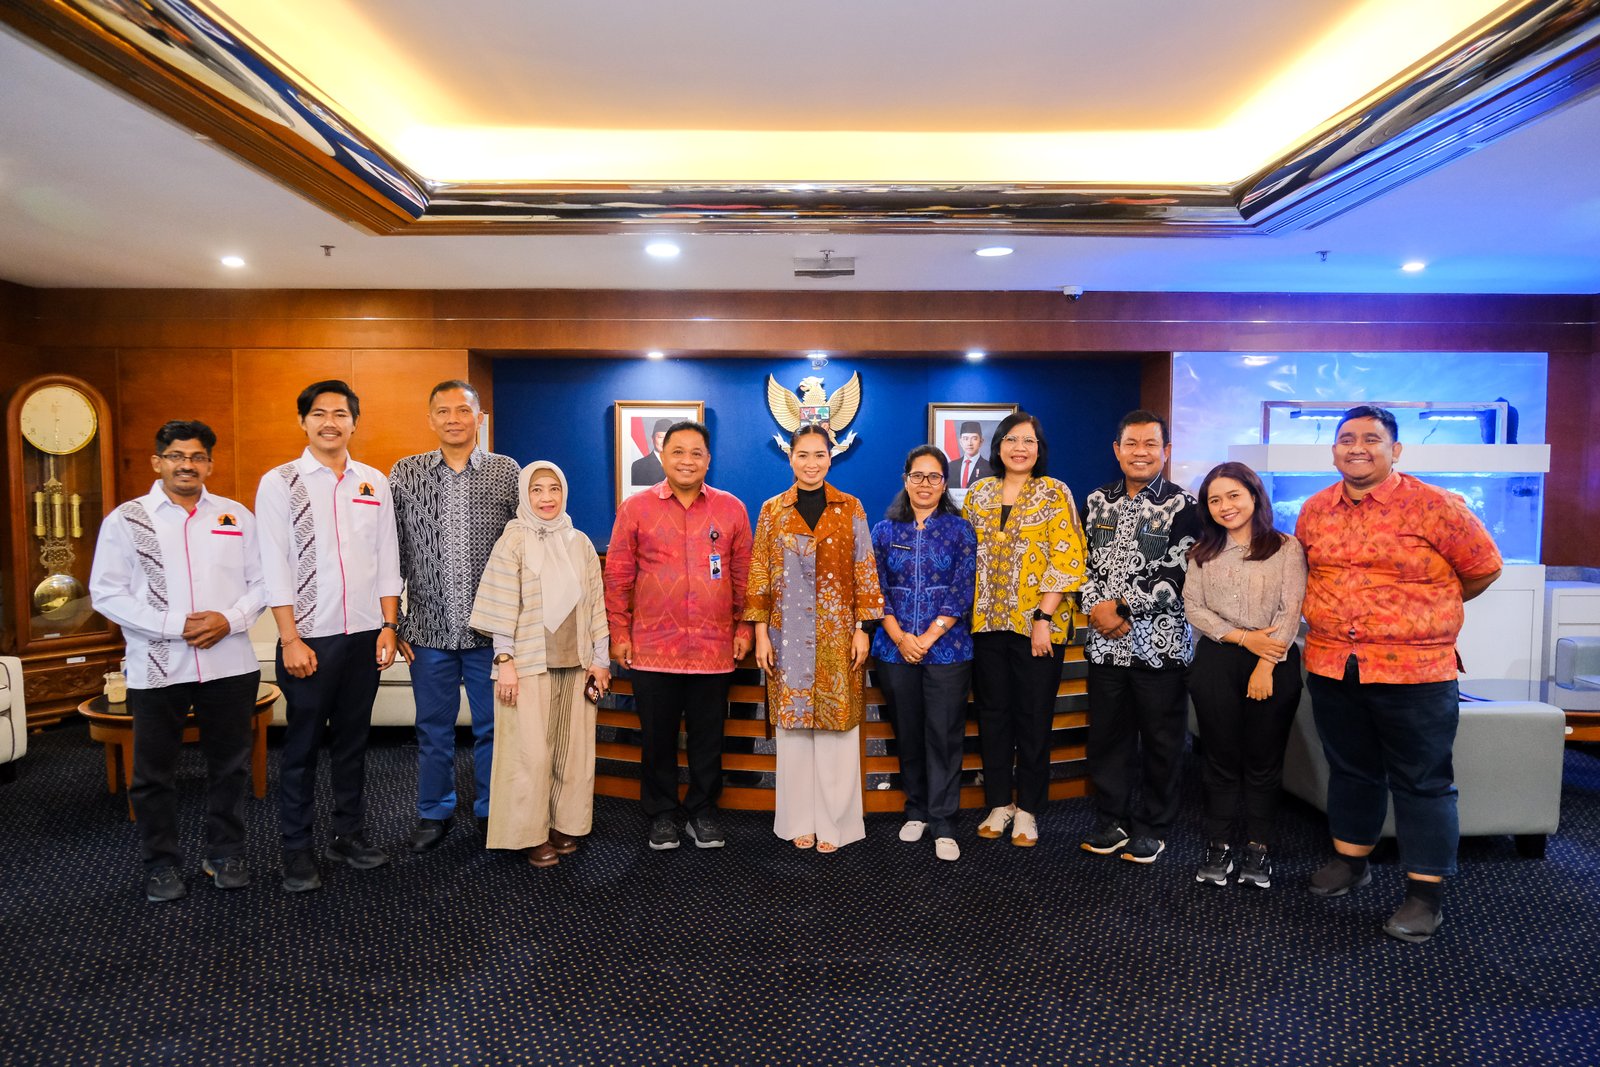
(1386, 738)
(927, 706)
(1136, 708)
(1244, 738)
(700, 701)
(1015, 692)
(338, 694)
(437, 678)
(222, 710)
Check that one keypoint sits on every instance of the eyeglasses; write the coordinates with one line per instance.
(924, 478)
(1013, 439)
(186, 457)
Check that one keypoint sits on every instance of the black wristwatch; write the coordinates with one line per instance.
(1040, 615)
(391, 626)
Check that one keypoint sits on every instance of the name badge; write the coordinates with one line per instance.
(903, 548)
(714, 566)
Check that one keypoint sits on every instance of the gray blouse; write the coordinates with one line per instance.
(1230, 593)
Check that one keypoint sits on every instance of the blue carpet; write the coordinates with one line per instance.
(759, 953)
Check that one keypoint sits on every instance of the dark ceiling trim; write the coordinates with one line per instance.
(1528, 60)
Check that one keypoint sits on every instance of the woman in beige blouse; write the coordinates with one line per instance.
(1242, 595)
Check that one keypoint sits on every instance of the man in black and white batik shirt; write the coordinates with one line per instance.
(1140, 529)
(451, 505)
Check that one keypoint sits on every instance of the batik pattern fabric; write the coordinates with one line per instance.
(1138, 554)
(1037, 550)
(1384, 581)
(448, 522)
(811, 588)
(304, 528)
(926, 572)
(147, 548)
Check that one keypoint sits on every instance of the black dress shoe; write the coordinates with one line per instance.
(429, 833)
(354, 850)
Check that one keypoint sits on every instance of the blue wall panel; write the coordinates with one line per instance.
(561, 410)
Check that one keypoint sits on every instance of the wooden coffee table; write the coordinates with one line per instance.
(114, 729)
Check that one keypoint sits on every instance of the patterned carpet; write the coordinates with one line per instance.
(761, 954)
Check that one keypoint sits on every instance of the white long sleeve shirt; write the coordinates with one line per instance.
(154, 567)
(357, 555)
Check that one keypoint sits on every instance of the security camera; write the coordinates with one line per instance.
(1072, 292)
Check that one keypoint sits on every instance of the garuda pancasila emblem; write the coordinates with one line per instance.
(812, 405)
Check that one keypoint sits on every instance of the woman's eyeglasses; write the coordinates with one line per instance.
(924, 478)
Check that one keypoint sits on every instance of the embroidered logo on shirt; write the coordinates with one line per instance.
(227, 525)
(365, 495)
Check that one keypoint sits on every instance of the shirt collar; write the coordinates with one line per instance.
(308, 464)
(157, 497)
(663, 489)
(1381, 492)
(830, 495)
(436, 459)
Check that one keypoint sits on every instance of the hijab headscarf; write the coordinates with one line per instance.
(546, 547)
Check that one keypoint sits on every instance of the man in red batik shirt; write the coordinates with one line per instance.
(1391, 561)
(676, 570)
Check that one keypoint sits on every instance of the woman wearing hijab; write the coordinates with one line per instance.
(813, 582)
(542, 599)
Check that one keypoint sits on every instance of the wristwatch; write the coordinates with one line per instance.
(1040, 615)
(504, 657)
(941, 624)
(391, 626)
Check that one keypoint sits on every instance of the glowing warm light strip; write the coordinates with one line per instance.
(387, 95)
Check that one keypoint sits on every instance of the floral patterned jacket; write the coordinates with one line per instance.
(811, 587)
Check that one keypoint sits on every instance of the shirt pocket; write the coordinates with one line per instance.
(1153, 542)
(1101, 536)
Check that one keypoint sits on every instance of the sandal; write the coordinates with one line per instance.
(826, 847)
(805, 841)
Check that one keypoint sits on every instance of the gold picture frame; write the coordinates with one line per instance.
(638, 466)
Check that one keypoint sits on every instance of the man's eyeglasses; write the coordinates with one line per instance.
(924, 478)
(186, 457)
(1013, 439)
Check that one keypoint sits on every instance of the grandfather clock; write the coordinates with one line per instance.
(61, 481)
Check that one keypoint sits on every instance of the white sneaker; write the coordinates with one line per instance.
(947, 849)
(999, 818)
(1024, 831)
(911, 830)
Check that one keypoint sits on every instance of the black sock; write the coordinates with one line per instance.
(1430, 893)
(1357, 864)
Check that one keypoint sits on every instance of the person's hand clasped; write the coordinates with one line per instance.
(860, 646)
(202, 629)
(506, 685)
(910, 648)
(1263, 644)
(1106, 622)
(1260, 685)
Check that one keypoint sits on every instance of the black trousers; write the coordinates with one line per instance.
(700, 702)
(927, 705)
(338, 695)
(1015, 692)
(1244, 738)
(1136, 708)
(222, 711)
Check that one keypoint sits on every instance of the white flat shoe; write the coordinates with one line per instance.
(1024, 831)
(947, 849)
(911, 830)
(999, 818)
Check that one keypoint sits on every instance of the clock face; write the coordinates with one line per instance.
(58, 419)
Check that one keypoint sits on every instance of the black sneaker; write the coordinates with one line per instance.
(1106, 840)
(300, 874)
(354, 850)
(1217, 865)
(703, 831)
(1337, 877)
(1144, 850)
(1257, 867)
(1415, 921)
(663, 833)
(229, 872)
(163, 884)
(428, 834)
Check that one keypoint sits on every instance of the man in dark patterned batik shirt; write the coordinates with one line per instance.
(451, 505)
(1140, 528)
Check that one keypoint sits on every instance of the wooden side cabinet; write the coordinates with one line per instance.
(61, 478)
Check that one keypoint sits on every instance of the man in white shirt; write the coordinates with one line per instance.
(332, 568)
(180, 571)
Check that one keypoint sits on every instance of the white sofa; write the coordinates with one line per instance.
(393, 706)
(13, 717)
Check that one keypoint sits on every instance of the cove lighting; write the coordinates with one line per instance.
(233, 261)
(975, 354)
(662, 249)
(1413, 266)
(655, 354)
(994, 250)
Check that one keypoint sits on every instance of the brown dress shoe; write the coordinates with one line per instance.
(543, 855)
(564, 844)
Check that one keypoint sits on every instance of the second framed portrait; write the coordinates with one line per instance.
(641, 426)
(964, 433)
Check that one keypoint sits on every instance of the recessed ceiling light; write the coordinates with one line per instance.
(975, 354)
(994, 250)
(661, 249)
(1413, 266)
(233, 261)
(655, 353)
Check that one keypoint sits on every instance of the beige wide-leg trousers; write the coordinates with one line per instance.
(543, 762)
(819, 785)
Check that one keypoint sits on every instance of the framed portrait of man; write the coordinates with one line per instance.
(641, 425)
(964, 433)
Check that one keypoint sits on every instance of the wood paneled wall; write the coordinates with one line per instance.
(236, 358)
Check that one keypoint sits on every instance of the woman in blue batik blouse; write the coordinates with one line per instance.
(927, 558)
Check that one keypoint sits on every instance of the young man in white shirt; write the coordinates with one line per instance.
(180, 571)
(332, 568)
